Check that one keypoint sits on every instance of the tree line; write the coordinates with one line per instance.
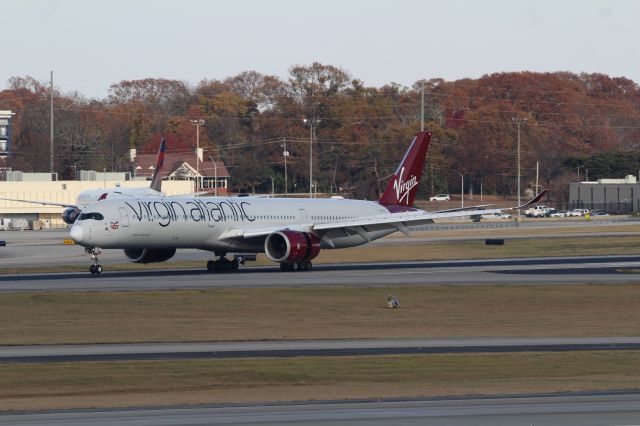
(567, 121)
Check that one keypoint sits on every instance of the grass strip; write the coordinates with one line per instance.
(100, 384)
(319, 313)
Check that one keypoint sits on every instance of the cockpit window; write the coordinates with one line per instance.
(87, 216)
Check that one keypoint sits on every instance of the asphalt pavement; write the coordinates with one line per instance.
(552, 410)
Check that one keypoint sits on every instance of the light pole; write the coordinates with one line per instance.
(199, 122)
(422, 109)
(285, 154)
(518, 121)
(215, 176)
(273, 186)
(310, 122)
(462, 189)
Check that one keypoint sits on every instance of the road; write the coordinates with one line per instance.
(560, 410)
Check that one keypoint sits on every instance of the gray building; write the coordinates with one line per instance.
(610, 195)
(5, 133)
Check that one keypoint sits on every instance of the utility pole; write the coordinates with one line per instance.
(51, 128)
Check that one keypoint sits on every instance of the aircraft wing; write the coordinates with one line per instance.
(395, 221)
(44, 203)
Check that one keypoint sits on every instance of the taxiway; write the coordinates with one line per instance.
(552, 410)
(297, 348)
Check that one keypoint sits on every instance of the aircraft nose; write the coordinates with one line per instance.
(76, 233)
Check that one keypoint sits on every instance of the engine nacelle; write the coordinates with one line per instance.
(142, 255)
(291, 246)
(70, 214)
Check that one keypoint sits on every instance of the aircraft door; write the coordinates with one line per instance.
(304, 217)
(124, 217)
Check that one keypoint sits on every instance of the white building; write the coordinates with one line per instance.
(65, 192)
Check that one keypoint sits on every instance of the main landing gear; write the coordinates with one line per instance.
(296, 266)
(96, 268)
(224, 265)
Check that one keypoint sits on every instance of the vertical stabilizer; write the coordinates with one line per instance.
(401, 189)
(156, 181)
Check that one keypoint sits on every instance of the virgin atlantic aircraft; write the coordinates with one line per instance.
(290, 231)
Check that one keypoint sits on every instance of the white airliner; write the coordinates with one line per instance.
(290, 231)
(90, 196)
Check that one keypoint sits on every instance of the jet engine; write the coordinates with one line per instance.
(70, 214)
(142, 255)
(291, 246)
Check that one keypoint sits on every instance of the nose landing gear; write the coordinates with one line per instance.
(96, 268)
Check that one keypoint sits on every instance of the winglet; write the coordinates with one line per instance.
(532, 201)
(401, 189)
(156, 180)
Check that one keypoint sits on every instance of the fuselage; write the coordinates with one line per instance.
(209, 223)
(90, 196)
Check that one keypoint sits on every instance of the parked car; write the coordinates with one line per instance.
(578, 212)
(560, 213)
(599, 213)
(440, 197)
(496, 216)
(537, 211)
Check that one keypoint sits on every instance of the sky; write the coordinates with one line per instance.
(91, 44)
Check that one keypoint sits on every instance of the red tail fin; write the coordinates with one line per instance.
(401, 190)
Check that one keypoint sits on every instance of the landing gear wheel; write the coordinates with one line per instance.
(223, 265)
(308, 265)
(96, 268)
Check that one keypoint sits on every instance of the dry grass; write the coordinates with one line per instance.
(94, 384)
(319, 313)
(533, 247)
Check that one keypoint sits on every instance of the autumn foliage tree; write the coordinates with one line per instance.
(360, 132)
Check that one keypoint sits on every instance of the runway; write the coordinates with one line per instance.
(350, 347)
(564, 270)
(46, 247)
(552, 410)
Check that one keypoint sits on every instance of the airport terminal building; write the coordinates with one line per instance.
(617, 196)
(181, 175)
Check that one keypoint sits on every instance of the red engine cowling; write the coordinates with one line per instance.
(291, 246)
(140, 255)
